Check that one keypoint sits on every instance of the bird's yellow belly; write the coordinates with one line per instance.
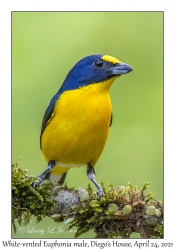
(78, 131)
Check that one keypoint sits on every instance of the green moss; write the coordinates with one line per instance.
(107, 223)
(150, 210)
(27, 201)
(127, 209)
(157, 212)
(120, 212)
(83, 194)
(112, 208)
(159, 230)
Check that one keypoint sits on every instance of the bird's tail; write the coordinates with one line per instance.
(56, 178)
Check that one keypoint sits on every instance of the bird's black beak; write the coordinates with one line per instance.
(120, 69)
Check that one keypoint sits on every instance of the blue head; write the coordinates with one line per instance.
(93, 69)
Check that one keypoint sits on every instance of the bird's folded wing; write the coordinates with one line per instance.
(49, 114)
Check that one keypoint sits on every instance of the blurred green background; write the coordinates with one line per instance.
(45, 46)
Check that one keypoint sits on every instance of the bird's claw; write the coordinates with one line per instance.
(100, 192)
(37, 183)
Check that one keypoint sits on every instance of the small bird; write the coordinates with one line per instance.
(76, 123)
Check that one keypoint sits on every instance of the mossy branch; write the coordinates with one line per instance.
(120, 212)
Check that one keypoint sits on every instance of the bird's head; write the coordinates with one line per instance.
(94, 69)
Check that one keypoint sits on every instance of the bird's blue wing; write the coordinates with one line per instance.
(49, 114)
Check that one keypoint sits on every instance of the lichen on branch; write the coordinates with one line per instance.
(120, 212)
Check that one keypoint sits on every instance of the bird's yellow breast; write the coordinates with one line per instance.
(78, 130)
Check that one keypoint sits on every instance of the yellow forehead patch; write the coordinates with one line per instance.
(110, 59)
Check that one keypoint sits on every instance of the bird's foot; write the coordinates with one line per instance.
(100, 192)
(50, 166)
(37, 183)
(91, 176)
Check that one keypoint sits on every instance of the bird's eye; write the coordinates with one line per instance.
(99, 63)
